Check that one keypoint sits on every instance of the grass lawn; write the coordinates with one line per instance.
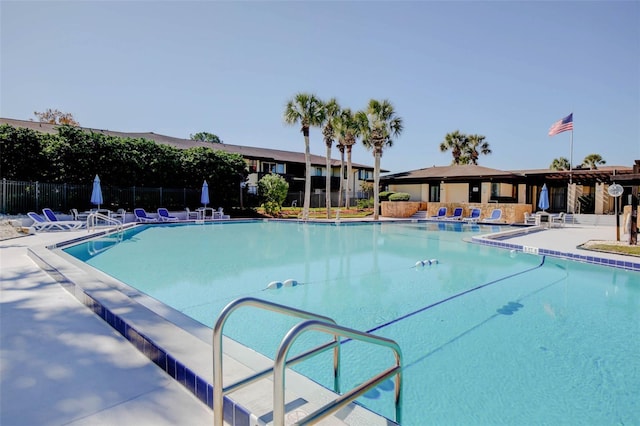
(617, 248)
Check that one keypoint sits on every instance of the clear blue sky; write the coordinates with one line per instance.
(503, 69)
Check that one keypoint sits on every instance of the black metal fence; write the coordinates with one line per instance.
(20, 197)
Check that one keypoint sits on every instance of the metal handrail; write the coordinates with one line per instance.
(313, 322)
(341, 401)
(219, 391)
(92, 221)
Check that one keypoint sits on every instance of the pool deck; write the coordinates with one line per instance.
(61, 364)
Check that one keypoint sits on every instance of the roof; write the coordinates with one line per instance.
(458, 171)
(245, 151)
(466, 172)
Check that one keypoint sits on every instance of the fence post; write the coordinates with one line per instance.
(37, 196)
(4, 195)
(161, 203)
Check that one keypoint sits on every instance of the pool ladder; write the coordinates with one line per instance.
(312, 322)
(94, 219)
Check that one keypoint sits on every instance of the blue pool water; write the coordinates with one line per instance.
(488, 336)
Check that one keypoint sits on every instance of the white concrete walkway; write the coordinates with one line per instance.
(60, 364)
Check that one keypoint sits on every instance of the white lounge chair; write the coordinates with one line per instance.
(474, 216)
(142, 216)
(442, 213)
(40, 224)
(457, 214)
(67, 224)
(165, 216)
(496, 216)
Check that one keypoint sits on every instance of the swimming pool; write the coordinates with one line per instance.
(488, 336)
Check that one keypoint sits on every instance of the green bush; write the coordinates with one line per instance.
(273, 189)
(384, 195)
(399, 196)
(365, 203)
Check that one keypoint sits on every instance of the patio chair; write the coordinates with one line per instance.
(558, 220)
(220, 214)
(141, 216)
(67, 224)
(42, 224)
(120, 215)
(457, 214)
(530, 219)
(191, 214)
(474, 216)
(442, 212)
(165, 216)
(496, 215)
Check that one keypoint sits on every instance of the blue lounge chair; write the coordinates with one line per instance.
(164, 216)
(42, 224)
(141, 216)
(67, 224)
(496, 215)
(474, 216)
(442, 213)
(457, 214)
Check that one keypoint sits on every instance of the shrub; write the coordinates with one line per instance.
(273, 189)
(399, 196)
(365, 203)
(384, 195)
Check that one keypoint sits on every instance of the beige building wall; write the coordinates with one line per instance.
(522, 193)
(454, 193)
(415, 191)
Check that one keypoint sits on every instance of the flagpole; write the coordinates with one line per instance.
(572, 204)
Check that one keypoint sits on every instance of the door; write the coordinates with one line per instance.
(474, 193)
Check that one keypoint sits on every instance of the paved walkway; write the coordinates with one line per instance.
(62, 365)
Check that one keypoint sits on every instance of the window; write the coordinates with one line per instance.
(272, 167)
(318, 171)
(495, 190)
(434, 193)
(364, 174)
(253, 166)
(252, 189)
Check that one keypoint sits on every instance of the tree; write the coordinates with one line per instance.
(53, 116)
(273, 188)
(593, 161)
(475, 145)
(347, 131)
(205, 137)
(455, 142)
(331, 111)
(378, 124)
(560, 163)
(306, 110)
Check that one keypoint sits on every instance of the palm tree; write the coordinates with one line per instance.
(560, 163)
(456, 142)
(593, 161)
(475, 146)
(347, 131)
(331, 111)
(305, 109)
(378, 124)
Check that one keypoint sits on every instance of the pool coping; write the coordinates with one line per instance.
(182, 347)
(497, 240)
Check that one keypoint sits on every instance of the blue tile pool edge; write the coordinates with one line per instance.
(620, 264)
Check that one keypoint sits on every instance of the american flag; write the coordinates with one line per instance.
(562, 125)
